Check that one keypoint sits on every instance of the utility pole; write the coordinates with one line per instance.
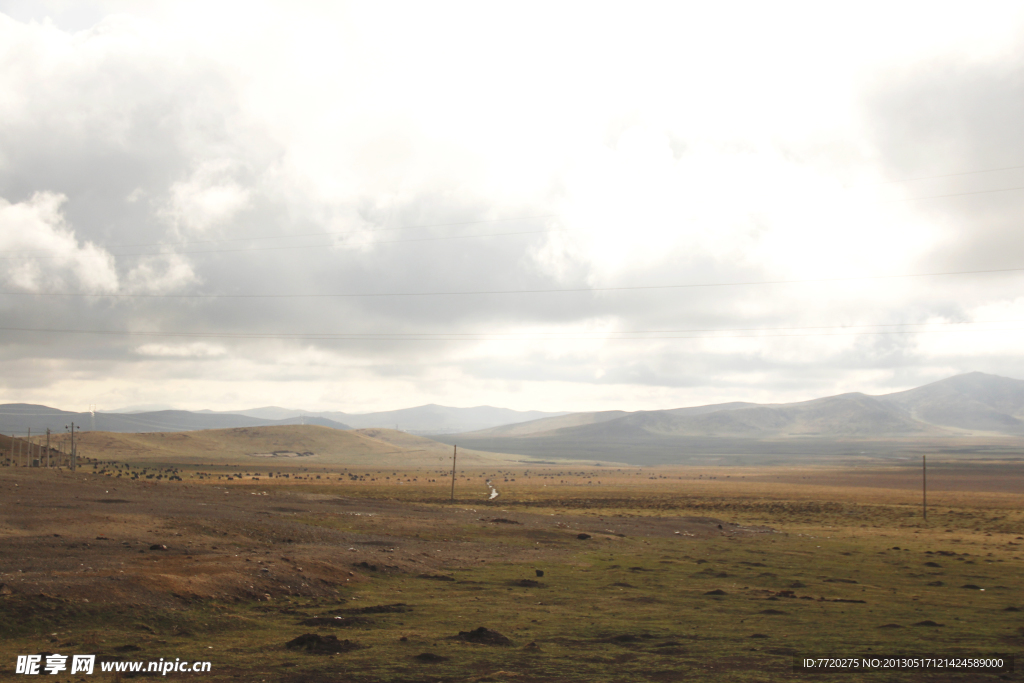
(455, 455)
(924, 486)
(72, 459)
(47, 447)
(28, 449)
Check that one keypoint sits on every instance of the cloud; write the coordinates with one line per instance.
(43, 252)
(209, 197)
(193, 350)
(317, 153)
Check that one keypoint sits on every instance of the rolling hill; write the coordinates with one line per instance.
(269, 447)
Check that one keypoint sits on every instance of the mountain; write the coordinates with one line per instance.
(974, 405)
(18, 418)
(975, 402)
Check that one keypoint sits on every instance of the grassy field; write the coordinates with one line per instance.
(687, 574)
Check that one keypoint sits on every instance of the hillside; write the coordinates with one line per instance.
(295, 445)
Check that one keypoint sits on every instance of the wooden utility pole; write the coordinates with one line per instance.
(47, 447)
(924, 486)
(28, 449)
(71, 459)
(455, 455)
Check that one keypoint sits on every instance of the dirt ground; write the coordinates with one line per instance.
(575, 573)
(82, 536)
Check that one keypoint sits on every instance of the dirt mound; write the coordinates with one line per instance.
(429, 657)
(928, 622)
(528, 583)
(435, 577)
(501, 520)
(482, 636)
(772, 611)
(890, 626)
(717, 591)
(321, 645)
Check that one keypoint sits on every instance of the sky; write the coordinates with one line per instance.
(542, 206)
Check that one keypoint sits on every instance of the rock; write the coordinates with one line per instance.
(157, 546)
(717, 591)
(583, 537)
(321, 645)
(928, 622)
(540, 572)
(5, 589)
(890, 626)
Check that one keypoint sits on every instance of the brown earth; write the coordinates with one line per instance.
(86, 537)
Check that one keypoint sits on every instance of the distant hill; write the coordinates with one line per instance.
(428, 419)
(260, 448)
(972, 405)
(18, 418)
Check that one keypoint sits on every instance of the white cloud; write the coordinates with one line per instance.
(42, 251)
(193, 350)
(209, 198)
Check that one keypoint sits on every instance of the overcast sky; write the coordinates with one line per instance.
(368, 206)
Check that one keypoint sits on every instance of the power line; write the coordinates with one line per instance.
(275, 237)
(949, 175)
(954, 194)
(802, 331)
(565, 290)
(294, 247)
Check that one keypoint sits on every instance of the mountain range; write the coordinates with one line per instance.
(974, 412)
(972, 406)
(17, 418)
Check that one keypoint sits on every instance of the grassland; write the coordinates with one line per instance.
(687, 575)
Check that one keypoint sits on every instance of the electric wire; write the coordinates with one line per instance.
(489, 292)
